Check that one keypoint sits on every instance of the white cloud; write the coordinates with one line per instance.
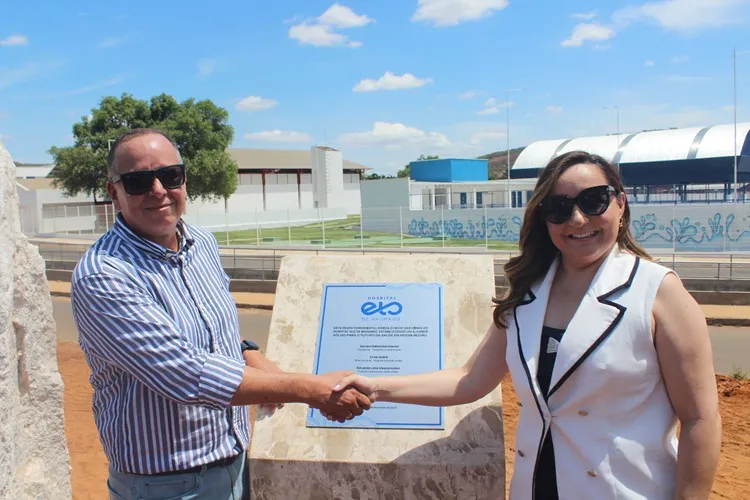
(278, 136)
(115, 80)
(112, 42)
(10, 77)
(452, 12)
(680, 59)
(14, 40)
(555, 109)
(586, 16)
(255, 103)
(687, 79)
(648, 63)
(588, 32)
(394, 136)
(321, 31)
(493, 107)
(483, 137)
(206, 67)
(389, 81)
(684, 14)
(340, 16)
(469, 94)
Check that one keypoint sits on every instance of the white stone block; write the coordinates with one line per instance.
(34, 458)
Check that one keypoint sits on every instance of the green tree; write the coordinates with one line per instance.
(200, 130)
(406, 171)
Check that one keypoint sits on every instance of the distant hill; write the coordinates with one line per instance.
(498, 162)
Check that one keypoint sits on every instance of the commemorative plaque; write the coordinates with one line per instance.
(378, 330)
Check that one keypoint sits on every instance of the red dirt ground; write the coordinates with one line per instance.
(90, 465)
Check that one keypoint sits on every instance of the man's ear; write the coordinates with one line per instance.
(113, 195)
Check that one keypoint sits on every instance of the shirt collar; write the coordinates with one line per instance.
(185, 239)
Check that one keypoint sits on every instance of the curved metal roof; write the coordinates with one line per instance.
(639, 147)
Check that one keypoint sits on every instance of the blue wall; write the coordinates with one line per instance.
(449, 170)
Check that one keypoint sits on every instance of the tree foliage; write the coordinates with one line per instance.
(200, 130)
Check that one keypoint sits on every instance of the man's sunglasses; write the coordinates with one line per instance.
(592, 201)
(142, 181)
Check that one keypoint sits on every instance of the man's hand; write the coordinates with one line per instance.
(338, 402)
(353, 382)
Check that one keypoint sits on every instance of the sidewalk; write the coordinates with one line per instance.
(715, 315)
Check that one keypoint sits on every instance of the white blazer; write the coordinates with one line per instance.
(612, 424)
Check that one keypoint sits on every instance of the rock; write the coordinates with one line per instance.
(34, 458)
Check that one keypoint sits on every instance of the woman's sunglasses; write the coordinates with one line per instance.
(592, 201)
(141, 181)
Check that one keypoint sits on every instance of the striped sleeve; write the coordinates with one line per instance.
(121, 323)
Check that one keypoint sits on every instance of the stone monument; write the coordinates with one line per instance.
(465, 459)
(34, 459)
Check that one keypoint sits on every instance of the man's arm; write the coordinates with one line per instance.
(255, 359)
(684, 349)
(122, 324)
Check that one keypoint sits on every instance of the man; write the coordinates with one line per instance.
(160, 331)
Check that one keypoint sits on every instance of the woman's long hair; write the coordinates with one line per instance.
(537, 250)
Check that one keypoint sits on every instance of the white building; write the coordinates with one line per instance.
(400, 205)
(275, 188)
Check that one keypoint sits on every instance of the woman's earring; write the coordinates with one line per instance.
(620, 223)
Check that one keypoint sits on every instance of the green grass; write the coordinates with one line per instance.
(739, 374)
(344, 233)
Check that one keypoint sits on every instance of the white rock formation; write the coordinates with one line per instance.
(34, 458)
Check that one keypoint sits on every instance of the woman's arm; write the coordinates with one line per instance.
(455, 386)
(685, 355)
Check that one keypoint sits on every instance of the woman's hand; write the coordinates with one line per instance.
(362, 384)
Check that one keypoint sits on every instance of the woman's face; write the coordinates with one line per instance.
(584, 238)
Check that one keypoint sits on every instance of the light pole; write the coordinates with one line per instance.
(734, 136)
(617, 109)
(507, 136)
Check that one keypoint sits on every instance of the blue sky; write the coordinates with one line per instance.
(383, 81)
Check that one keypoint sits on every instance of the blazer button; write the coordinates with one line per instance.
(583, 413)
(521, 454)
(591, 473)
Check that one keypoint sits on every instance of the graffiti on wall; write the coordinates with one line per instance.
(494, 228)
(717, 232)
(696, 231)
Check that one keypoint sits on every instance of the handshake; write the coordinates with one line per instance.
(339, 396)
(342, 395)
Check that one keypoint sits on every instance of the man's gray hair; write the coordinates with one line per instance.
(132, 134)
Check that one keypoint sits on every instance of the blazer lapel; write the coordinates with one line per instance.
(528, 317)
(597, 316)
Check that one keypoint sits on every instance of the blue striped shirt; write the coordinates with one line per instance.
(160, 332)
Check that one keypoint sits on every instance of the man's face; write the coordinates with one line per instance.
(153, 215)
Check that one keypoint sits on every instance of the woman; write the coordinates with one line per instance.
(606, 349)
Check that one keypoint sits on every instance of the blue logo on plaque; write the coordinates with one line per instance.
(393, 308)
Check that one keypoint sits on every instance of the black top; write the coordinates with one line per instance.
(545, 481)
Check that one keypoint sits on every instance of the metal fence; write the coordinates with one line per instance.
(264, 263)
(660, 228)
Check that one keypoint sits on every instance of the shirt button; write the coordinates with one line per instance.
(583, 413)
(591, 473)
(521, 454)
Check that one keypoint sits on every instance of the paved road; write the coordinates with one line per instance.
(254, 324)
(731, 344)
